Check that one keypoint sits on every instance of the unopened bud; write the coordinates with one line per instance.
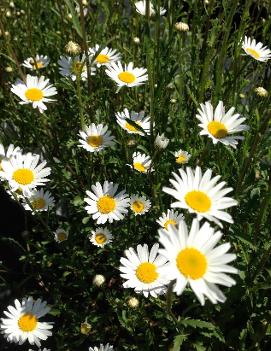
(73, 48)
(98, 280)
(161, 142)
(133, 302)
(260, 91)
(85, 328)
(182, 27)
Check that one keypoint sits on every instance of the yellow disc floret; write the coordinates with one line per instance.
(127, 77)
(191, 263)
(100, 238)
(217, 129)
(198, 201)
(253, 53)
(146, 272)
(102, 58)
(138, 206)
(23, 176)
(139, 167)
(27, 322)
(38, 204)
(169, 222)
(34, 94)
(106, 204)
(95, 140)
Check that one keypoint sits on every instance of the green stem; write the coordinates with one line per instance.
(169, 297)
(79, 95)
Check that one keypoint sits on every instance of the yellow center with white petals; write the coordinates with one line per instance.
(61, 236)
(127, 77)
(181, 159)
(78, 67)
(132, 128)
(23, 176)
(37, 65)
(255, 54)
(38, 204)
(139, 167)
(34, 94)
(95, 140)
(138, 206)
(146, 272)
(191, 263)
(100, 238)
(102, 58)
(27, 322)
(198, 201)
(169, 222)
(217, 129)
(106, 204)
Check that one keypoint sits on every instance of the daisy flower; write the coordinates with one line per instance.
(102, 347)
(95, 138)
(100, 237)
(219, 125)
(171, 218)
(142, 163)
(182, 157)
(105, 204)
(35, 91)
(194, 260)
(60, 235)
(142, 270)
(127, 75)
(161, 142)
(40, 200)
(256, 50)
(105, 57)
(200, 194)
(139, 205)
(22, 322)
(141, 8)
(41, 349)
(39, 62)
(73, 66)
(137, 118)
(23, 172)
(6, 155)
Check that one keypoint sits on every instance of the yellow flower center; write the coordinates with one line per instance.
(139, 167)
(198, 200)
(38, 204)
(78, 67)
(102, 58)
(34, 94)
(27, 322)
(217, 129)
(169, 222)
(106, 204)
(138, 206)
(127, 77)
(132, 128)
(61, 236)
(191, 263)
(100, 238)
(38, 64)
(23, 176)
(253, 53)
(146, 272)
(95, 140)
(181, 159)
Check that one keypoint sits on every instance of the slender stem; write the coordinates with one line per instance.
(169, 304)
(79, 95)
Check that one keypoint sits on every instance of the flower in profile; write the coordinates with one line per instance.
(128, 75)
(138, 119)
(105, 57)
(142, 163)
(195, 261)
(98, 280)
(169, 218)
(25, 173)
(182, 157)
(102, 347)
(100, 237)
(201, 195)
(260, 91)
(6, 155)
(35, 91)
(161, 142)
(96, 137)
(141, 9)
(39, 62)
(73, 67)
(61, 235)
(23, 322)
(105, 204)
(85, 328)
(142, 270)
(39, 200)
(139, 205)
(219, 125)
(256, 50)
(72, 48)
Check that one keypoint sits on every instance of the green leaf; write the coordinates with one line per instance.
(197, 323)
(178, 341)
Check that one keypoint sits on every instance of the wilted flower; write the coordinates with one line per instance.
(73, 48)
(98, 280)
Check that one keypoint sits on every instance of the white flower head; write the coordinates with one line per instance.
(142, 270)
(100, 237)
(105, 57)
(6, 155)
(138, 119)
(195, 261)
(72, 67)
(105, 204)
(60, 235)
(182, 157)
(201, 194)
(22, 322)
(256, 50)
(139, 204)
(40, 200)
(39, 62)
(169, 218)
(219, 125)
(141, 9)
(142, 163)
(102, 347)
(36, 91)
(96, 137)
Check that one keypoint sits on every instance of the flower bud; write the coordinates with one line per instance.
(98, 280)
(161, 142)
(260, 91)
(182, 27)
